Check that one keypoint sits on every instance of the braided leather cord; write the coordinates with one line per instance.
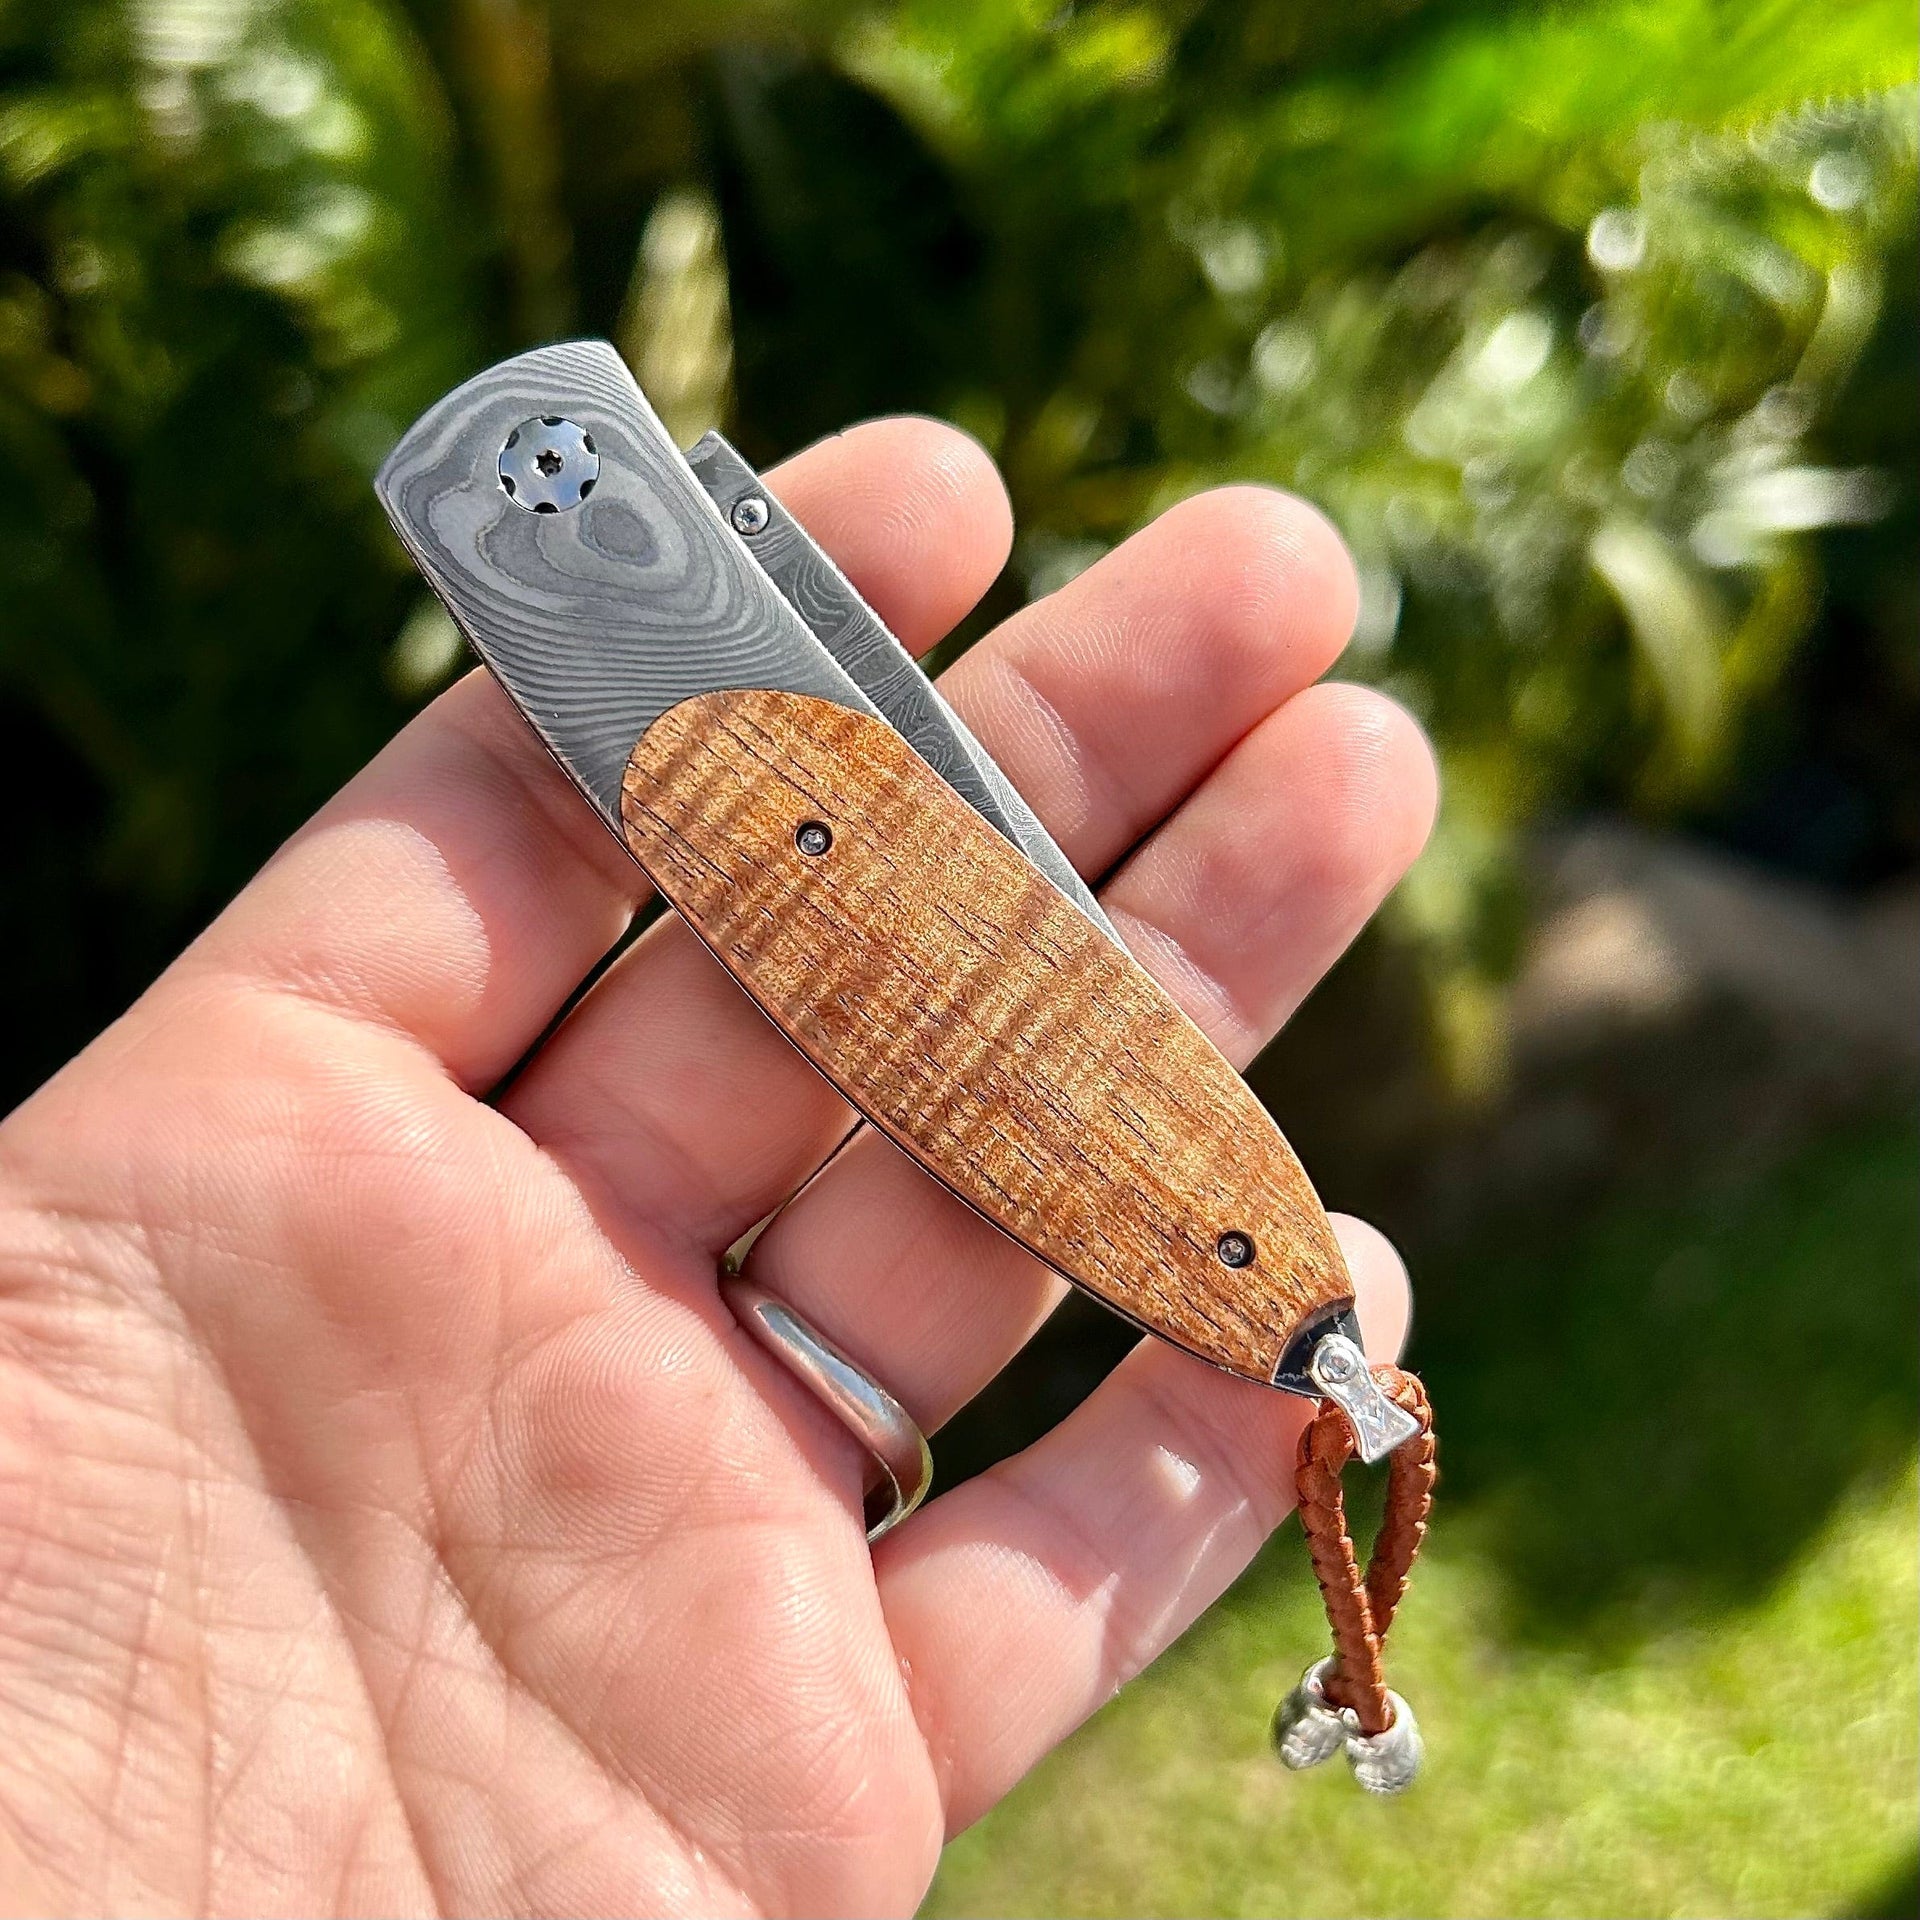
(1360, 1608)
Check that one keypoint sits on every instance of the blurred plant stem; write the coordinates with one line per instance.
(507, 69)
(676, 330)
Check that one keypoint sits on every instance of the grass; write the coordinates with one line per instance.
(1664, 1647)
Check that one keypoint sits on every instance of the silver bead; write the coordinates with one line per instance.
(1387, 1762)
(1306, 1730)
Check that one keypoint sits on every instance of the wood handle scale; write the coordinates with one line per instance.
(979, 1020)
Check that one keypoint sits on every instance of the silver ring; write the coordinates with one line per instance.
(857, 1400)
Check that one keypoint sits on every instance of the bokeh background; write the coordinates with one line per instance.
(1592, 324)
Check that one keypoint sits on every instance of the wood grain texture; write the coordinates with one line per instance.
(980, 1021)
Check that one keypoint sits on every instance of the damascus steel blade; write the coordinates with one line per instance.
(599, 614)
(860, 640)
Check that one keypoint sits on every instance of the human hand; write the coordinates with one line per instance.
(392, 1517)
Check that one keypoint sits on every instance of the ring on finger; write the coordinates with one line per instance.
(857, 1400)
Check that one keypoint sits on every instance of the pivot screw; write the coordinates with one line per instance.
(1234, 1249)
(548, 464)
(813, 838)
(750, 515)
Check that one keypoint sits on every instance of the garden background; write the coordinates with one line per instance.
(1594, 327)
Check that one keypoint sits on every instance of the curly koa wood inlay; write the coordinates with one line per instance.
(977, 1019)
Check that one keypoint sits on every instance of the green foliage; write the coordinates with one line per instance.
(1540, 306)
(1559, 310)
(231, 280)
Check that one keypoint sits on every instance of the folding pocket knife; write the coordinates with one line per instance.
(792, 783)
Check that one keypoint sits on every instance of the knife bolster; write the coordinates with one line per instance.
(979, 1020)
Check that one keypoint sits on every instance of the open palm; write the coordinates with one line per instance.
(391, 1515)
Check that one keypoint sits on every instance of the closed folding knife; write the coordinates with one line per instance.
(792, 783)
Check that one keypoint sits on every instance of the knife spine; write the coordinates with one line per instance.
(807, 578)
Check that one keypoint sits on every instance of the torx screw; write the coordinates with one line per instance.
(750, 515)
(548, 464)
(813, 838)
(1234, 1249)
